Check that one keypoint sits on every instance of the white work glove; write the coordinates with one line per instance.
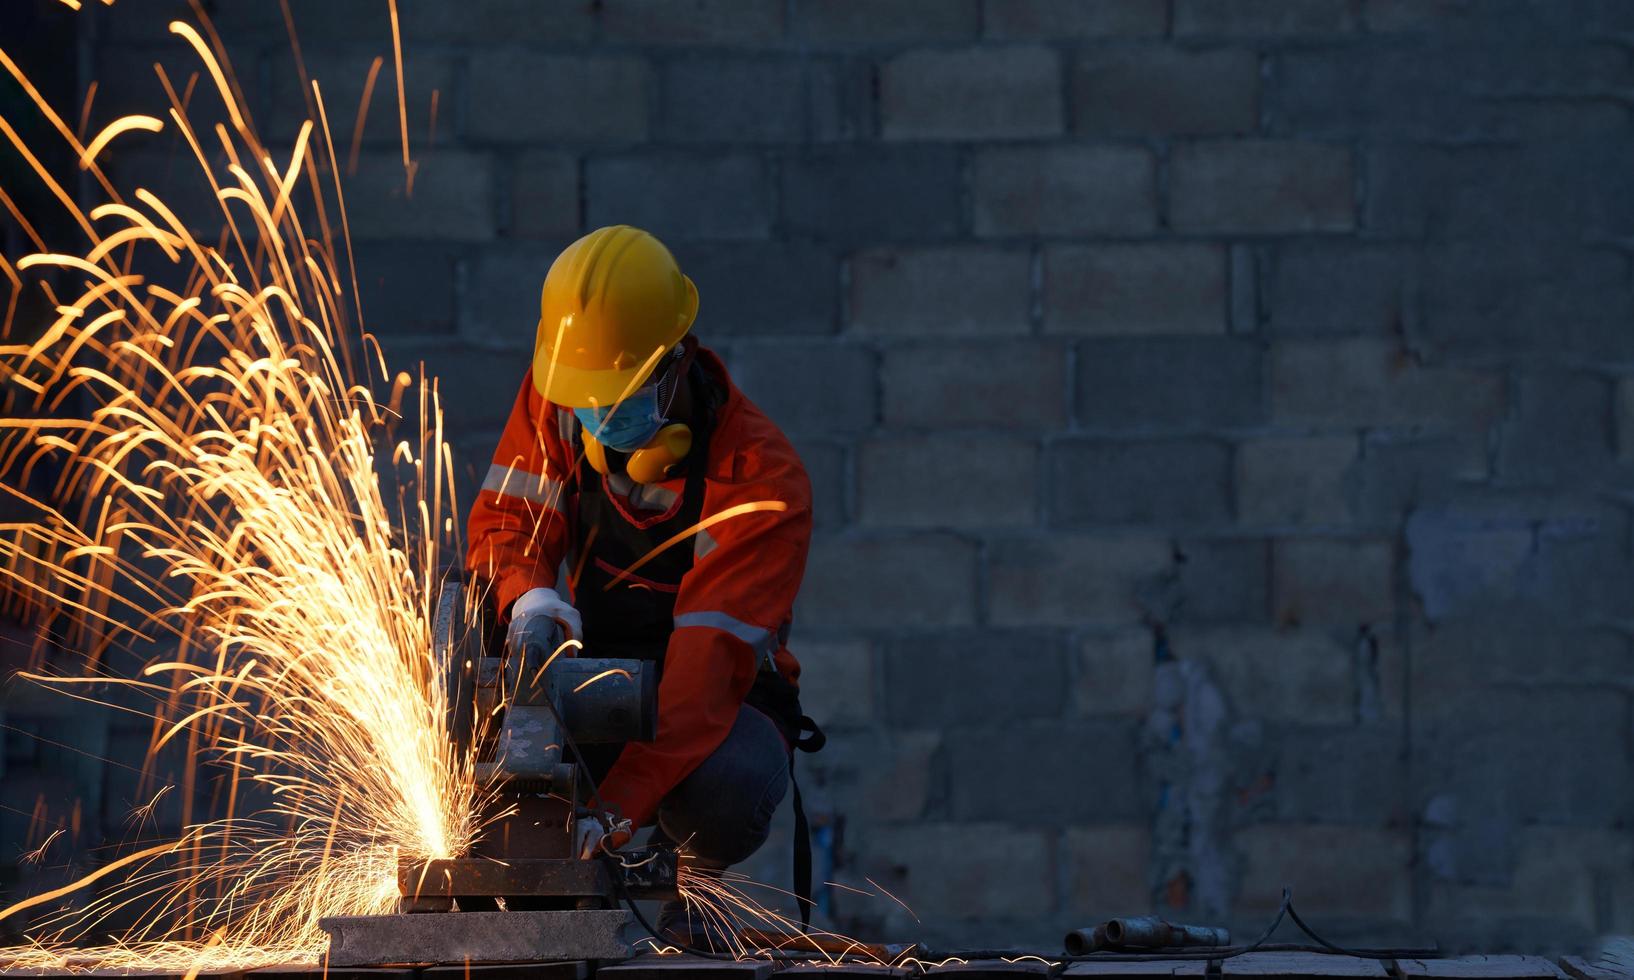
(592, 832)
(543, 602)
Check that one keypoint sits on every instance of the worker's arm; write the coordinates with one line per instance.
(732, 604)
(517, 531)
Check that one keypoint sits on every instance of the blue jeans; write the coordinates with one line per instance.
(722, 811)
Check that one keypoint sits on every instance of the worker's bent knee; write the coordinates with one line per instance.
(722, 812)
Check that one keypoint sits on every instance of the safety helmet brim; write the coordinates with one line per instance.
(574, 387)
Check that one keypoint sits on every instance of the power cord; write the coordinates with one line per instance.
(1286, 909)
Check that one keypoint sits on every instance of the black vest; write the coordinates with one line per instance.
(635, 617)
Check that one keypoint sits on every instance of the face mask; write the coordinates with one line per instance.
(627, 426)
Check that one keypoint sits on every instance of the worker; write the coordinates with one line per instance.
(626, 435)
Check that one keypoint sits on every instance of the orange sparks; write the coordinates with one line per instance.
(125, 124)
(703, 525)
(402, 98)
(363, 114)
(224, 515)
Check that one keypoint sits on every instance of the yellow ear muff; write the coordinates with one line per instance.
(653, 462)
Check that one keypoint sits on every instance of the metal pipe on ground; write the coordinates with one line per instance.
(1142, 932)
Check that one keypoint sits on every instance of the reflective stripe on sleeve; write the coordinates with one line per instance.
(763, 642)
(511, 482)
(702, 545)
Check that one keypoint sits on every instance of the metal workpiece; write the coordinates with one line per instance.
(479, 937)
(1142, 932)
(641, 873)
(606, 700)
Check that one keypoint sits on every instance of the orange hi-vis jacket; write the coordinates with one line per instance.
(733, 605)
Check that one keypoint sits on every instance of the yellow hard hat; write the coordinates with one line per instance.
(612, 302)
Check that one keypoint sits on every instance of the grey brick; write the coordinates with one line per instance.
(1334, 289)
(875, 21)
(500, 21)
(678, 196)
(840, 100)
(1330, 581)
(1392, 16)
(713, 100)
(1167, 90)
(406, 289)
(1107, 870)
(701, 22)
(453, 198)
(1553, 553)
(1402, 93)
(1301, 677)
(1272, 18)
(340, 76)
(1294, 480)
(872, 194)
(837, 681)
(545, 196)
(181, 185)
(948, 481)
(826, 467)
(1398, 473)
(1360, 873)
(1460, 659)
(1446, 90)
(969, 94)
(1245, 291)
(1112, 673)
(1624, 416)
(1049, 20)
(595, 99)
(1063, 190)
(963, 384)
(809, 387)
(1261, 186)
(1221, 580)
(1559, 430)
(997, 874)
(1176, 481)
(1514, 297)
(1352, 775)
(1072, 579)
(965, 291)
(889, 583)
(1054, 772)
(994, 678)
(1516, 755)
(1372, 382)
(1111, 290)
(1206, 383)
(1461, 562)
(1561, 190)
(478, 387)
(764, 289)
(316, 21)
(500, 305)
(886, 776)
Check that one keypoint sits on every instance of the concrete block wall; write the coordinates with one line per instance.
(1220, 412)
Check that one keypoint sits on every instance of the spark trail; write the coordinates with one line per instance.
(215, 504)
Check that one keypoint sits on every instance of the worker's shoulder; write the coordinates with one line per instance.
(746, 446)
